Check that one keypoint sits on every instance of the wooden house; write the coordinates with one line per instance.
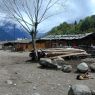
(79, 40)
(17, 45)
(54, 41)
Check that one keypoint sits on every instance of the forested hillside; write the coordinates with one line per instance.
(83, 26)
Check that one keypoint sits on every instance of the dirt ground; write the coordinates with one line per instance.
(18, 76)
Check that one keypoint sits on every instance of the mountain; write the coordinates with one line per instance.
(10, 31)
(40, 35)
(85, 25)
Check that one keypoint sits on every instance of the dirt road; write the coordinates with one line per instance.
(20, 77)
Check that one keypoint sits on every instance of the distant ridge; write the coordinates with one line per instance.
(9, 32)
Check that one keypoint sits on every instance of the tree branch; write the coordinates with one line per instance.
(21, 15)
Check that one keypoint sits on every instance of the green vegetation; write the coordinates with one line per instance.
(83, 26)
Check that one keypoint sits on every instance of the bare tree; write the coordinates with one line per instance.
(30, 13)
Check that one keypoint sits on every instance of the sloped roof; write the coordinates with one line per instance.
(17, 41)
(65, 37)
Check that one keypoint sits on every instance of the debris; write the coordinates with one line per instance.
(82, 67)
(34, 88)
(40, 54)
(35, 94)
(9, 82)
(83, 76)
(79, 89)
(15, 84)
(58, 84)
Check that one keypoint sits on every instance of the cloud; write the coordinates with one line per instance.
(72, 10)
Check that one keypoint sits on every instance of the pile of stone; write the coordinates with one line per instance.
(59, 63)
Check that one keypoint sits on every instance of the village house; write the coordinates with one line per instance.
(21, 45)
(84, 41)
(79, 40)
(17, 45)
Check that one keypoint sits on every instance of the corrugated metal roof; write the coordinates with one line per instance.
(66, 37)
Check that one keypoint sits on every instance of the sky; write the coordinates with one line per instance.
(72, 10)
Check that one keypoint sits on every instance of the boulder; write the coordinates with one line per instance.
(47, 62)
(93, 92)
(67, 68)
(79, 89)
(59, 61)
(92, 67)
(82, 67)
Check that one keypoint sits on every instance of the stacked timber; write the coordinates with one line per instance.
(65, 52)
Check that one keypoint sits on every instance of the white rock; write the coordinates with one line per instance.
(79, 89)
(82, 67)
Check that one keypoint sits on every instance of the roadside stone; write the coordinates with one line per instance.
(59, 67)
(79, 89)
(92, 67)
(82, 67)
(93, 92)
(59, 61)
(67, 68)
(47, 62)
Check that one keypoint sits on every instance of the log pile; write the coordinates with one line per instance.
(65, 52)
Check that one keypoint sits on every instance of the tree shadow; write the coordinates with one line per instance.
(47, 68)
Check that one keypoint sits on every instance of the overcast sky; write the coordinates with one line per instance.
(73, 10)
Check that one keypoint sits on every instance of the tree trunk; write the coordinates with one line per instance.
(33, 34)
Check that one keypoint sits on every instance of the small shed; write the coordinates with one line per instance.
(18, 45)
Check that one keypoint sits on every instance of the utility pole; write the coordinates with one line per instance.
(14, 38)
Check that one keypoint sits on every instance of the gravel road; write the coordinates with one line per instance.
(18, 76)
